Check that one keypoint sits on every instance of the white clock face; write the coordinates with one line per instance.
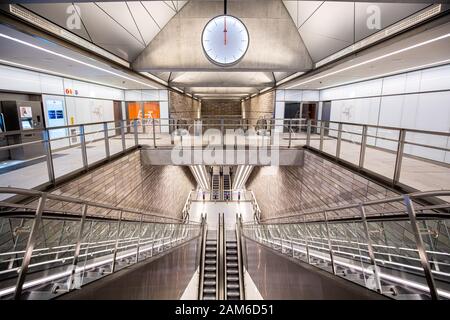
(225, 40)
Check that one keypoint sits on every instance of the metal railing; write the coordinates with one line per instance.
(393, 246)
(46, 251)
(389, 153)
(59, 152)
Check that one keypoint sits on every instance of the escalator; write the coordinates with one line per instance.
(210, 275)
(233, 278)
(221, 275)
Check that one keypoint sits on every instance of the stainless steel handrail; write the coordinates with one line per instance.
(414, 195)
(36, 193)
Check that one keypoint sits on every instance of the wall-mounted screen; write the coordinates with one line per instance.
(26, 124)
(25, 112)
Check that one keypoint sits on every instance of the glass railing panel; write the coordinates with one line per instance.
(14, 233)
(381, 151)
(68, 158)
(330, 138)
(115, 137)
(350, 253)
(129, 137)
(23, 166)
(435, 237)
(52, 257)
(351, 143)
(95, 143)
(396, 255)
(425, 162)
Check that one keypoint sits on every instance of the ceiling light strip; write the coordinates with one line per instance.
(54, 73)
(392, 73)
(382, 34)
(417, 45)
(42, 23)
(75, 60)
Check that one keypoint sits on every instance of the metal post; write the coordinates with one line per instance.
(290, 128)
(171, 132)
(122, 133)
(306, 241)
(30, 246)
(329, 243)
(322, 131)
(139, 238)
(308, 132)
(83, 147)
(362, 152)
(420, 248)
(339, 140)
(135, 128)
(399, 157)
(153, 130)
(119, 223)
(106, 134)
(49, 158)
(362, 211)
(77, 247)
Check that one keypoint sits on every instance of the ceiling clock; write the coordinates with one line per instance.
(225, 40)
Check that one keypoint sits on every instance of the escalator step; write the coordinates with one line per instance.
(232, 278)
(210, 255)
(209, 297)
(209, 282)
(210, 275)
(209, 290)
(232, 258)
(234, 294)
(232, 265)
(232, 271)
(210, 268)
(231, 251)
(232, 286)
(208, 261)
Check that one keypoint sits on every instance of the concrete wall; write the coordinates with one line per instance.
(221, 107)
(318, 184)
(260, 106)
(127, 182)
(182, 107)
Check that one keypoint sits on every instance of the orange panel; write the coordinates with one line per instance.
(134, 110)
(151, 110)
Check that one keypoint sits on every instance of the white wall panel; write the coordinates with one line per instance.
(279, 95)
(51, 84)
(310, 95)
(435, 79)
(293, 95)
(14, 79)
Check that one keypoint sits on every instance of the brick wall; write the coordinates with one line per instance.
(126, 182)
(318, 184)
(260, 106)
(182, 107)
(221, 107)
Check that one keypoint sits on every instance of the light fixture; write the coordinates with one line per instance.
(27, 67)
(75, 60)
(415, 68)
(417, 45)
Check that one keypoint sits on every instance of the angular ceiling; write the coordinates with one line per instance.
(163, 37)
(328, 26)
(124, 28)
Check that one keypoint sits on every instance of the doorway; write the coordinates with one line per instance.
(291, 111)
(326, 113)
